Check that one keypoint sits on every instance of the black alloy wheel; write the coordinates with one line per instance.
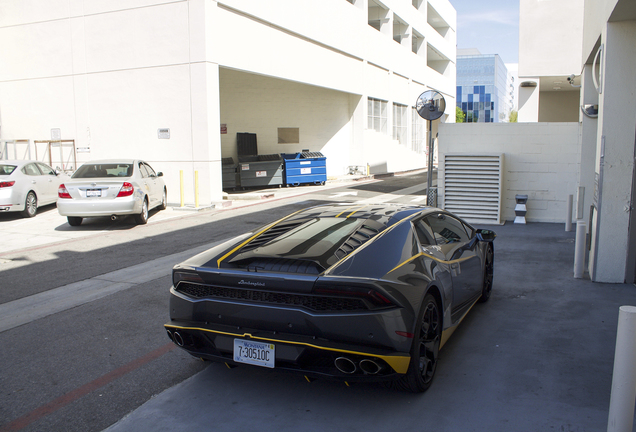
(30, 205)
(425, 350)
(142, 218)
(489, 271)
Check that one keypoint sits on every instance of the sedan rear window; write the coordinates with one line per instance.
(7, 169)
(104, 170)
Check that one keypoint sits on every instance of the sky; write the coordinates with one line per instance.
(491, 26)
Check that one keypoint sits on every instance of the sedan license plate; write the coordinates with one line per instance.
(254, 353)
(93, 192)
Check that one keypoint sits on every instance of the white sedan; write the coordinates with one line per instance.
(26, 185)
(112, 188)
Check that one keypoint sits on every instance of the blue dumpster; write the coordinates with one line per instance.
(305, 168)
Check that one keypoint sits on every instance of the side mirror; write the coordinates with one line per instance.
(486, 235)
(159, 174)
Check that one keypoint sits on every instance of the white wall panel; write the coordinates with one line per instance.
(541, 161)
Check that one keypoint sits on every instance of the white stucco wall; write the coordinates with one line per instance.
(541, 161)
(110, 74)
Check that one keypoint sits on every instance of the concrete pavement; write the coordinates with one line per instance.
(537, 357)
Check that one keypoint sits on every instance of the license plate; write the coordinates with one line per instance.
(254, 353)
(93, 192)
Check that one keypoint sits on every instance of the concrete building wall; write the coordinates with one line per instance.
(559, 106)
(616, 140)
(110, 74)
(550, 48)
(258, 104)
(541, 161)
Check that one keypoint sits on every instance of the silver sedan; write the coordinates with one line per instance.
(112, 188)
(26, 185)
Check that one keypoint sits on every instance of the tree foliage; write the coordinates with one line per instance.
(513, 117)
(460, 117)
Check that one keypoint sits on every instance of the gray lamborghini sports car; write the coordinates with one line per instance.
(340, 291)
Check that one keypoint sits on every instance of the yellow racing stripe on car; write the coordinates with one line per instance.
(270, 226)
(399, 363)
(349, 208)
(455, 261)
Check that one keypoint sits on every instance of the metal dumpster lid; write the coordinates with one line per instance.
(308, 155)
(269, 157)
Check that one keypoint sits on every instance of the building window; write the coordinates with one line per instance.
(416, 43)
(400, 29)
(418, 132)
(399, 123)
(377, 115)
(378, 15)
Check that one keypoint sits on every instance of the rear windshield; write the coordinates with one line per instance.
(104, 170)
(6, 169)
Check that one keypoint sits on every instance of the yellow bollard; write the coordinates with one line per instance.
(181, 181)
(196, 189)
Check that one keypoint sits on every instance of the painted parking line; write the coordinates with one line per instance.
(31, 308)
(72, 396)
(378, 199)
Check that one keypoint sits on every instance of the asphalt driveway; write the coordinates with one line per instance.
(537, 357)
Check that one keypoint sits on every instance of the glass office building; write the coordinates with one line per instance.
(482, 88)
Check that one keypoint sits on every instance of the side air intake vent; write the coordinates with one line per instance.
(357, 239)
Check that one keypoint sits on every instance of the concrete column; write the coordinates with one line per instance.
(205, 103)
(615, 152)
(587, 140)
(528, 100)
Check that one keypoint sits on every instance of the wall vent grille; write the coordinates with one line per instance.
(471, 186)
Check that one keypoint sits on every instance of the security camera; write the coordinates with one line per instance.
(571, 78)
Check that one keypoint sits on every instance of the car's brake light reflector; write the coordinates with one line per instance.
(127, 189)
(62, 192)
(371, 295)
(6, 184)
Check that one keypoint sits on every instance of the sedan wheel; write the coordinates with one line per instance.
(164, 200)
(489, 265)
(74, 221)
(425, 349)
(142, 218)
(30, 205)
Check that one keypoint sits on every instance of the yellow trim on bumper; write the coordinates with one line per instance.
(400, 364)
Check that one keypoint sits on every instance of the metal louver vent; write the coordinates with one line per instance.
(472, 186)
(357, 239)
(271, 234)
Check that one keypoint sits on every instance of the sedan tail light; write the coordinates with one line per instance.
(127, 189)
(62, 192)
(6, 184)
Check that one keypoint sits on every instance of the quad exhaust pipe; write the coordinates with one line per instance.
(176, 338)
(348, 366)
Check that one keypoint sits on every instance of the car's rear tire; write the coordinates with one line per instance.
(164, 200)
(142, 218)
(74, 221)
(30, 205)
(425, 349)
(486, 285)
